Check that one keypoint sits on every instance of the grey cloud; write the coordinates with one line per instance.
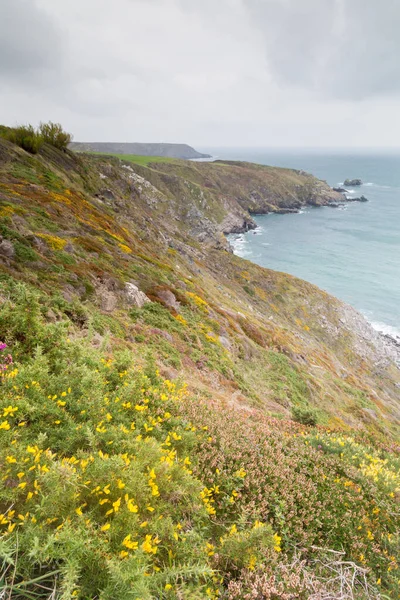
(261, 72)
(30, 42)
(340, 48)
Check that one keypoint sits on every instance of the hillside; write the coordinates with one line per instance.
(179, 422)
(182, 151)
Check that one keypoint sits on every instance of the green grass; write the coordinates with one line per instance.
(137, 159)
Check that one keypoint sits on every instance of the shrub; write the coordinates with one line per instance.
(30, 139)
(24, 136)
(53, 134)
(305, 415)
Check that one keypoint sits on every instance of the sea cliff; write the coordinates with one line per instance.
(178, 422)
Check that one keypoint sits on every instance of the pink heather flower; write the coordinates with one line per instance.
(2, 346)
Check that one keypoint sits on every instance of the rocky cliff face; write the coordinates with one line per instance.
(140, 251)
(256, 189)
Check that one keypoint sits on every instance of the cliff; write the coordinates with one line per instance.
(169, 409)
(182, 151)
(162, 226)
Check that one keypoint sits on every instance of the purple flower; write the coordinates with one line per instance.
(2, 346)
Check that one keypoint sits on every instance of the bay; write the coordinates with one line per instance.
(352, 253)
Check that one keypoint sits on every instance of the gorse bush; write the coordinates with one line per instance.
(30, 139)
(117, 483)
(97, 492)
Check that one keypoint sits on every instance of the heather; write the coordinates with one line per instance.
(118, 482)
(176, 422)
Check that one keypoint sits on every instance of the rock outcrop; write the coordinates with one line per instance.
(352, 182)
(135, 296)
(6, 248)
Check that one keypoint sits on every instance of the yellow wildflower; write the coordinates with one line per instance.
(128, 543)
(149, 545)
(9, 411)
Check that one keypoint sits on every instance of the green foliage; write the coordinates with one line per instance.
(97, 487)
(24, 253)
(30, 139)
(305, 415)
(24, 136)
(53, 134)
(249, 290)
(92, 438)
(137, 159)
(156, 315)
(25, 172)
(316, 488)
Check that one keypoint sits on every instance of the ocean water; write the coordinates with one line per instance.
(352, 253)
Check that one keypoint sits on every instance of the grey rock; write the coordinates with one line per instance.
(51, 316)
(97, 340)
(225, 342)
(108, 301)
(352, 182)
(135, 296)
(370, 412)
(169, 299)
(7, 248)
(167, 336)
(68, 248)
(69, 293)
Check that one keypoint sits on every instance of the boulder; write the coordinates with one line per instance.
(108, 301)
(169, 299)
(352, 182)
(135, 296)
(6, 248)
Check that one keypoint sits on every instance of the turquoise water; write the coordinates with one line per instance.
(353, 253)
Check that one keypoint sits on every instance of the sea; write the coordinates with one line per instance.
(352, 252)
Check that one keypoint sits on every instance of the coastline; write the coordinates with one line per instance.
(384, 337)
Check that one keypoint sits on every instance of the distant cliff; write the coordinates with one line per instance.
(168, 150)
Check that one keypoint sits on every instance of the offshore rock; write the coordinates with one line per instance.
(352, 182)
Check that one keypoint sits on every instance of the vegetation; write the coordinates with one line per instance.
(30, 139)
(139, 454)
(116, 482)
(137, 159)
(53, 134)
(24, 136)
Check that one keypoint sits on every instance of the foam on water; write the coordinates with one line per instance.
(386, 329)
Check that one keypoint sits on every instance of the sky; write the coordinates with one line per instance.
(267, 73)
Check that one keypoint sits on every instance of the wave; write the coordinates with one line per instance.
(393, 332)
(258, 230)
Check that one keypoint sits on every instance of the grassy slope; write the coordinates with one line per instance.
(137, 159)
(247, 342)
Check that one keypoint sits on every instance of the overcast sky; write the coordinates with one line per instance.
(206, 72)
